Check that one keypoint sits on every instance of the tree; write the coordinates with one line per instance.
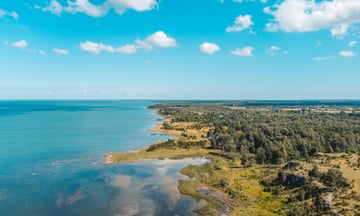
(314, 172)
(260, 155)
(318, 203)
(282, 176)
(334, 178)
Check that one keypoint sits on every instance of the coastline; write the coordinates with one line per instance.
(233, 183)
(107, 159)
(228, 185)
(217, 202)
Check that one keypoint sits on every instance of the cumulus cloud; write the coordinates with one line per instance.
(60, 51)
(139, 5)
(311, 15)
(86, 7)
(95, 48)
(352, 43)
(157, 39)
(54, 7)
(127, 49)
(12, 14)
(209, 48)
(90, 9)
(241, 23)
(22, 44)
(245, 52)
(347, 53)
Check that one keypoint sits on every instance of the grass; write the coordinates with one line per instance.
(244, 194)
(345, 201)
(142, 154)
(189, 188)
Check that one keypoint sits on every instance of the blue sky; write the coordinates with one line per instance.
(172, 49)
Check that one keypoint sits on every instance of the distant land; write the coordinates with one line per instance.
(250, 103)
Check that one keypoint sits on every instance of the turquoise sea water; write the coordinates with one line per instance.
(50, 153)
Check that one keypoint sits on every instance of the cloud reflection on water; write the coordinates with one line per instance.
(155, 192)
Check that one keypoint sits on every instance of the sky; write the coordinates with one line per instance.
(179, 49)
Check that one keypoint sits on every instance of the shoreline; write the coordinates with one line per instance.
(108, 157)
(217, 202)
(251, 186)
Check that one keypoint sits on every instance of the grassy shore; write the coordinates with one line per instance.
(215, 201)
(223, 184)
(234, 188)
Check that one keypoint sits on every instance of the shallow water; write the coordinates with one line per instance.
(49, 154)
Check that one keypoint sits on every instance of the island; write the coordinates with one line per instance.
(266, 158)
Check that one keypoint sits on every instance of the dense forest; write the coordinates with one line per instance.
(272, 134)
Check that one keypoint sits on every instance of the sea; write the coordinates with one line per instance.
(50, 154)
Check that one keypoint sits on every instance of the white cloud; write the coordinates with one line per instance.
(352, 43)
(90, 9)
(127, 49)
(209, 48)
(347, 53)
(22, 44)
(60, 51)
(139, 5)
(12, 14)
(96, 48)
(324, 58)
(339, 31)
(86, 7)
(241, 23)
(272, 50)
(245, 52)
(344, 53)
(158, 39)
(311, 15)
(54, 7)
(267, 10)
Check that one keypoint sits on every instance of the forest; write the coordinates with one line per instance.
(273, 134)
